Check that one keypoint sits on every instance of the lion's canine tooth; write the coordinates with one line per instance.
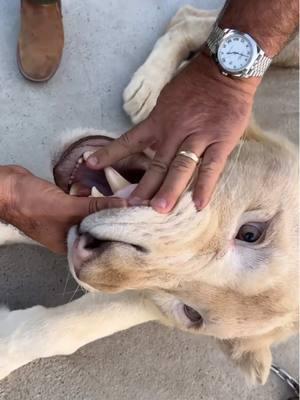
(95, 192)
(115, 180)
(73, 190)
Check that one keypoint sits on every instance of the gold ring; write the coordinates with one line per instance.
(190, 155)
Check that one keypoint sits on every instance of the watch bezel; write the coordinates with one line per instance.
(254, 56)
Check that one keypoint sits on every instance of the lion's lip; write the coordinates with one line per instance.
(64, 168)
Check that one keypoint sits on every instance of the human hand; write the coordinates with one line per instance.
(43, 211)
(200, 111)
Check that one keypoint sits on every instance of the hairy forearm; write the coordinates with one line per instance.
(5, 173)
(270, 22)
(10, 176)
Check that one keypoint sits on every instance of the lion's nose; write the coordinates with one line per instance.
(84, 250)
(86, 243)
(90, 242)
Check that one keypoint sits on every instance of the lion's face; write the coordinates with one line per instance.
(229, 271)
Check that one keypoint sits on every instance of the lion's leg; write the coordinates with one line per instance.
(38, 332)
(11, 235)
(187, 31)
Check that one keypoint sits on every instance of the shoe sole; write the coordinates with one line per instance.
(30, 78)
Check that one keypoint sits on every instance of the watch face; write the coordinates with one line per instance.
(235, 53)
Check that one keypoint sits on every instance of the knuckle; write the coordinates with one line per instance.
(209, 168)
(93, 205)
(125, 141)
(214, 159)
(159, 166)
(182, 164)
(103, 153)
(213, 164)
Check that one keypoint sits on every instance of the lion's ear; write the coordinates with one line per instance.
(255, 363)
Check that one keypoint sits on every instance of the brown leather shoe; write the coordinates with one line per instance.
(41, 39)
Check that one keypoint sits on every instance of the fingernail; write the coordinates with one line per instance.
(135, 201)
(199, 204)
(159, 203)
(92, 161)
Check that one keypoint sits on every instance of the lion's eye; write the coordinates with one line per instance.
(192, 315)
(250, 233)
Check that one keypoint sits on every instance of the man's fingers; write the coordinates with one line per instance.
(130, 142)
(155, 175)
(179, 175)
(84, 206)
(212, 165)
(97, 204)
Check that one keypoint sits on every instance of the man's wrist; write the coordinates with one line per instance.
(5, 174)
(209, 67)
(271, 24)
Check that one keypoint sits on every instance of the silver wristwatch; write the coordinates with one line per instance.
(237, 53)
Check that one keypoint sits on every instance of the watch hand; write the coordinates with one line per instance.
(235, 52)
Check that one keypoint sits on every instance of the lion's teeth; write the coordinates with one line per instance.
(95, 192)
(73, 190)
(126, 192)
(115, 180)
(80, 160)
(87, 154)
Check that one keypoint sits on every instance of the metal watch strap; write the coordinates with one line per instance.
(214, 38)
(261, 64)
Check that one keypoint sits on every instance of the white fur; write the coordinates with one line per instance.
(11, 235)
(39, 332)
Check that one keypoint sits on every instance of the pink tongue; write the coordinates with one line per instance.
(125, 192)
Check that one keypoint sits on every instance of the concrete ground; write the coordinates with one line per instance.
(105, 42)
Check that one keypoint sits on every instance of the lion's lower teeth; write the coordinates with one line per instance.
(96, 193)
(73, 190)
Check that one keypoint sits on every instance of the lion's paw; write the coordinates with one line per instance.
(140, 96)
